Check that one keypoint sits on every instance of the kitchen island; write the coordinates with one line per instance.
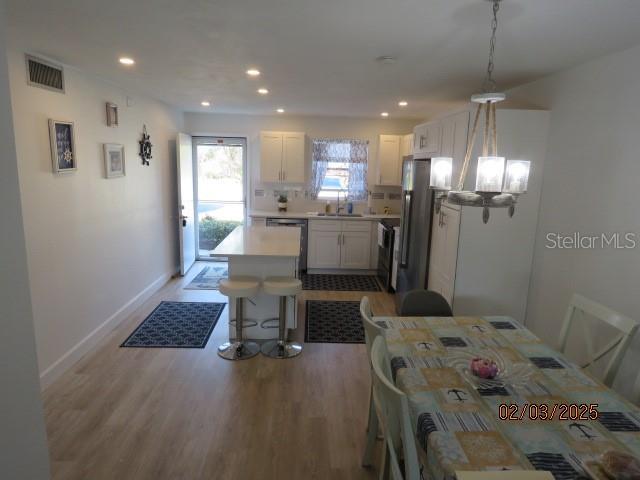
(262, 252)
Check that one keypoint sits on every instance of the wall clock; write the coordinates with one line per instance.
(145, 146)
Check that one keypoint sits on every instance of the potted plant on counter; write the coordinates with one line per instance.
(282, 203)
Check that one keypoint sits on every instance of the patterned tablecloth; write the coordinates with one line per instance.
(456, 417)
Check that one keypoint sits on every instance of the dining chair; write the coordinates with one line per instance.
(394, 418)
(424, 303)
(505, 475)
(371, 332)
(626, 326)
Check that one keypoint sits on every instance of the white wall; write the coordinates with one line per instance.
(95, 247)
(592, 174)
(315, 127)
(23, 446)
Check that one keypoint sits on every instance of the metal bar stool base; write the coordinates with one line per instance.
(275, 349)
(238, 350)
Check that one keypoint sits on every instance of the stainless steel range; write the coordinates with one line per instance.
(386, 239)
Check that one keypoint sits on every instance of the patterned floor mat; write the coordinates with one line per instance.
(340, 283)
(333, 322)
(177, 325)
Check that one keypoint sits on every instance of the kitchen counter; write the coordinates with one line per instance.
(262, 252)
(315, 216)
(260, 242)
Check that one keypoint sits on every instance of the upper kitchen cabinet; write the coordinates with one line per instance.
(282, 157)
(389, 160)
(293, 148)
(426, 140)
(453, 142)
(406, 145)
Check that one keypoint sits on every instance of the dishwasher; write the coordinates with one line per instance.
(300, 223)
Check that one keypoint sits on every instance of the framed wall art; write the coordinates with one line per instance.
(63, 146)
(114, 160)
(112, 114)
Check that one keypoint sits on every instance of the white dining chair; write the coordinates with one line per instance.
(505, 475)
(393, 407)
(371, 332)
(626, 326)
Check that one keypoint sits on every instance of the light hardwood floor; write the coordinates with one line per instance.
(126, 413)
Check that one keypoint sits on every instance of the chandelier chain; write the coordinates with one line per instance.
(489, 83)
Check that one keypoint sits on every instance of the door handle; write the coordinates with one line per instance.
(184, 220)
(339, 235)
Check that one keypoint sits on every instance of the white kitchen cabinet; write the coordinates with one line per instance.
(324, 249)
(426, 139)
(270, 156)
(282, 157)
(445, 231)
(406, 145)
(293, 145)
(355, 250)
(339, 244)
(455, 129)
(389, 160)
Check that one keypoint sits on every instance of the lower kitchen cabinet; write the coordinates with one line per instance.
(324, 249)
(355, 250)
(339, 244)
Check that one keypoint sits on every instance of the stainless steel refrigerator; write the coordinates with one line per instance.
(415, 226)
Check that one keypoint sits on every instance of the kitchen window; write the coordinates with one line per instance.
(339, 165)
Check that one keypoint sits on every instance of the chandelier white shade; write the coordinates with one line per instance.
(441, 169)
(517, 176)
(490, 174)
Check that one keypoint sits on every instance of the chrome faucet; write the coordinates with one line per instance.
(338, 207)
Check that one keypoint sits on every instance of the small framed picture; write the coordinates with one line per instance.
(112, 114)
(114, 160)
(63, 146)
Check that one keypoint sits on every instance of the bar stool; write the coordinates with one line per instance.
(282, 287)
(239, 288)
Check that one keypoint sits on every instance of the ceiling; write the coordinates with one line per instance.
(317, 57)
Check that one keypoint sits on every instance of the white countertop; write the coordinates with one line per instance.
(315, 216)
(260, 242)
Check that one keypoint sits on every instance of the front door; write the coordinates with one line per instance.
(220, 163)
(186, 218)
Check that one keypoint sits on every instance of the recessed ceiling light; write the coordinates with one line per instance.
(205, 103)
(127, 61)
(384, 114)
(263, 91)
(280, 110)
(403, 103)
(253, 72)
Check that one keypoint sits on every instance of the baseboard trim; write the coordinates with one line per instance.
(57, 368)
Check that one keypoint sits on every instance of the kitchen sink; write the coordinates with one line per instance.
(339, 214)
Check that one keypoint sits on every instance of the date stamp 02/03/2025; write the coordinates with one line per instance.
(542, 411)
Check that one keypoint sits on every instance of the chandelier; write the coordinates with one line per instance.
(498, 185)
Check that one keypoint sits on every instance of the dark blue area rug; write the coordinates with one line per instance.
(177, 325)
(330, 321)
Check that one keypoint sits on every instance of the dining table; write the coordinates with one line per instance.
(540, 411)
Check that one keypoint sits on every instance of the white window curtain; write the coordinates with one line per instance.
(353, 153)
